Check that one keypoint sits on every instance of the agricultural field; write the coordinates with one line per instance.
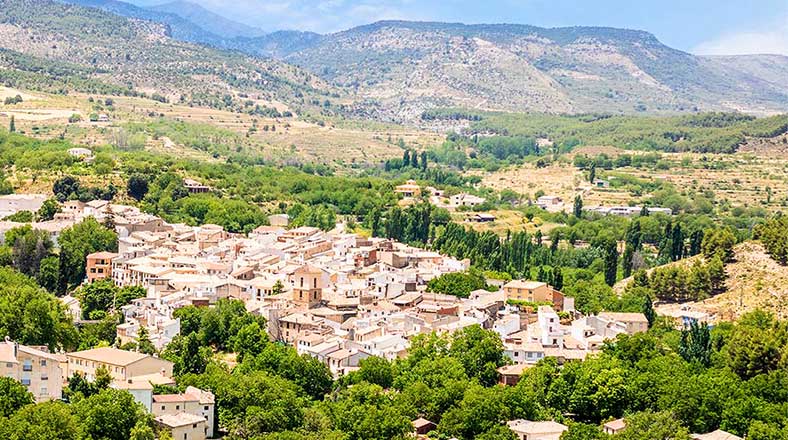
(754, 176)
(281, 140)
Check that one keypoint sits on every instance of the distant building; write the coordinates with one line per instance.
(194, 401)
(614, 426)
(195, 187)
(80, 153)
(36, 369)
(99, 265)
(122, 364)
(279, 220)
(531, 291)
(183, 425)
(599, 183)
(408, 189)
(463, 199)
(307, 285)
(716, 435)
(422, 426)
(13, 203)
(547, 202)
(528, 430)
(482, 218)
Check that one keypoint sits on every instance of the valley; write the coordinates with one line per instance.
(400, 230)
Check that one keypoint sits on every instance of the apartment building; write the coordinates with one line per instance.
(34, 368)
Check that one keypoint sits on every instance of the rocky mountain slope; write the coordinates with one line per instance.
(395, 70)
(143, 55)
(207, 20)
(409, 66)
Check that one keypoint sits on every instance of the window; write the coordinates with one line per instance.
(25, 382)
(177, 407)
(43, 362)
(206, 408)
(44, 391)
(28, 365)
(163, 407)
(44, 376)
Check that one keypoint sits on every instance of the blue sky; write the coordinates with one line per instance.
(700, 26)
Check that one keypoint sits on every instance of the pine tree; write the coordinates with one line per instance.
(424, 160)
(648, 310)
(406, 158)
(558, 278)
(578, 211)
(592, 173)
(414, 159)
(12, 125)
(695, 344)
(611, 262)
(677, 244)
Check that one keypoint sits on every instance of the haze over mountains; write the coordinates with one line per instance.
(395, 70)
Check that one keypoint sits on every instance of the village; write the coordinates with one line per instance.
(338, 297)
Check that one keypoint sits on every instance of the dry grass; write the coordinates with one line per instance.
(754, 281)
(506, 220)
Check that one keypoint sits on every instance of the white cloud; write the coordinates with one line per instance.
(773, 40)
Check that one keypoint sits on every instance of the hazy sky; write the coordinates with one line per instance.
(700, 26)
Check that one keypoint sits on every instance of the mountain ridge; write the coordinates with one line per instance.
(396, 70)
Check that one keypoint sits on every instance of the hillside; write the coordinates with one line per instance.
(410, 66)
(205, 19)
(141, 55)
(753, 281)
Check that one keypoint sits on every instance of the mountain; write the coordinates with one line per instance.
(143, 55)
(395, 70)
(410, 66)
(207, 20)
(178, 27)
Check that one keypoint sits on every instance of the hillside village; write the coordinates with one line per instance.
(338, 297)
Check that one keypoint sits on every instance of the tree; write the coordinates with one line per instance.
(13, 396)
(48, 209)
(278, 288)
(142, 431)
(405, 157)
(111, 414)
(423, 161)
(97, 298)
(756, 345)
(581, 431)
(32, 316)
(76, 243)
(592, 173)
(650, 425)
(250, 341)
(611, 262)
(29, 246)
(137, 186)
(578, 209)
(12, 125)
(376, 370)
(695, 345)
(144, 343)
(718, 243)
(480, 351)
(65, 187)
(459, 284)
(45, 421)
(48, 272)
(648, 310)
